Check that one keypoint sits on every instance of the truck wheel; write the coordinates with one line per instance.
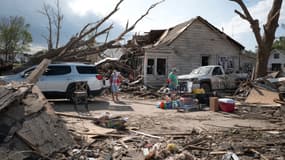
(206, 87)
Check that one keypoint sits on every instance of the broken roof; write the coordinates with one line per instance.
(172, 33)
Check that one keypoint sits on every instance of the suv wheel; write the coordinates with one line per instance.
(70, 92)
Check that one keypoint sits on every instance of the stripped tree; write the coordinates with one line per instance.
(265, 41)
(78, 47)
(54, 18)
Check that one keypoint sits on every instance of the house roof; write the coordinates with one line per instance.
(172, 33)
(278, 51)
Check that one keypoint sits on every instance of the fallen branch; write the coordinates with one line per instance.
(40, 69)
(75, 116)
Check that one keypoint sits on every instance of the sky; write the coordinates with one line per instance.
(77, 13)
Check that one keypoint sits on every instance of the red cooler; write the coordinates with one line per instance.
(226, 104)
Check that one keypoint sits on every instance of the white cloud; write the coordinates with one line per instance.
(237, 25)
(36, 48)
(129, 10)
(82, 7)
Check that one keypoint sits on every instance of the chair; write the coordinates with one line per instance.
(81, 94)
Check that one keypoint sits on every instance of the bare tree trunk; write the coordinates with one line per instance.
(58, 17)
(264, 42)
(46, 11)
(261, 63)
(50, 45)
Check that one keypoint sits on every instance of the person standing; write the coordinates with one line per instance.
(115, 84)
(172, 82)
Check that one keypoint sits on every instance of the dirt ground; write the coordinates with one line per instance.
(144, 115)
(251, 133)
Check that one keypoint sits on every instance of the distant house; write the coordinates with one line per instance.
(22, 57)
(187, 46)
(276, 61)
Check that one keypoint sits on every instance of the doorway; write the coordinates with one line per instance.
(205, 60)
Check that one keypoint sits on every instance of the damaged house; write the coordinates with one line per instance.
(187, 46)
(276, 60)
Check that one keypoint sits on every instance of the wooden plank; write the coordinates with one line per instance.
(145, 134)
(76, 116)
(11, 96)
(262, 96)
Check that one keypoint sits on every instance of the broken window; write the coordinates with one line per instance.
(150, 66)
(276, 56)
(161, 66)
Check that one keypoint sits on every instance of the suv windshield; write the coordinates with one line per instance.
(86, 69)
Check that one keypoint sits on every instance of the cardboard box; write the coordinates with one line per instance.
(214, 105)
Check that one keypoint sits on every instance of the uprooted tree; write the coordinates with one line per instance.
(265, 41)
(82, 44)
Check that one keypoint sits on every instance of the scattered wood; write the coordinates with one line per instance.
(262, 96)
(145, 134)
(11, 92)
(76, 116)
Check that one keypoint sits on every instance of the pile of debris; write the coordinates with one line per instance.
(126, 145)
(28, 127)
(265, 90)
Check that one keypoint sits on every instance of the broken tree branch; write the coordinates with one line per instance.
(253, 22)
(75, 116)
(40, 69)
(110, 44)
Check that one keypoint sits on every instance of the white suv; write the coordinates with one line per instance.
(59, 79)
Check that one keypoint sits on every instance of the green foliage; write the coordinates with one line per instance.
(14, 36)
(279, 43)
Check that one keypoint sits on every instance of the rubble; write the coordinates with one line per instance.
(29, 129)
(265, 90)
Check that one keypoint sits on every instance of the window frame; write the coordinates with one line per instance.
(276, 56)
(155, 66)
(152, 66)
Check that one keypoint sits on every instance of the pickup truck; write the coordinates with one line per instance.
(210, 78)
